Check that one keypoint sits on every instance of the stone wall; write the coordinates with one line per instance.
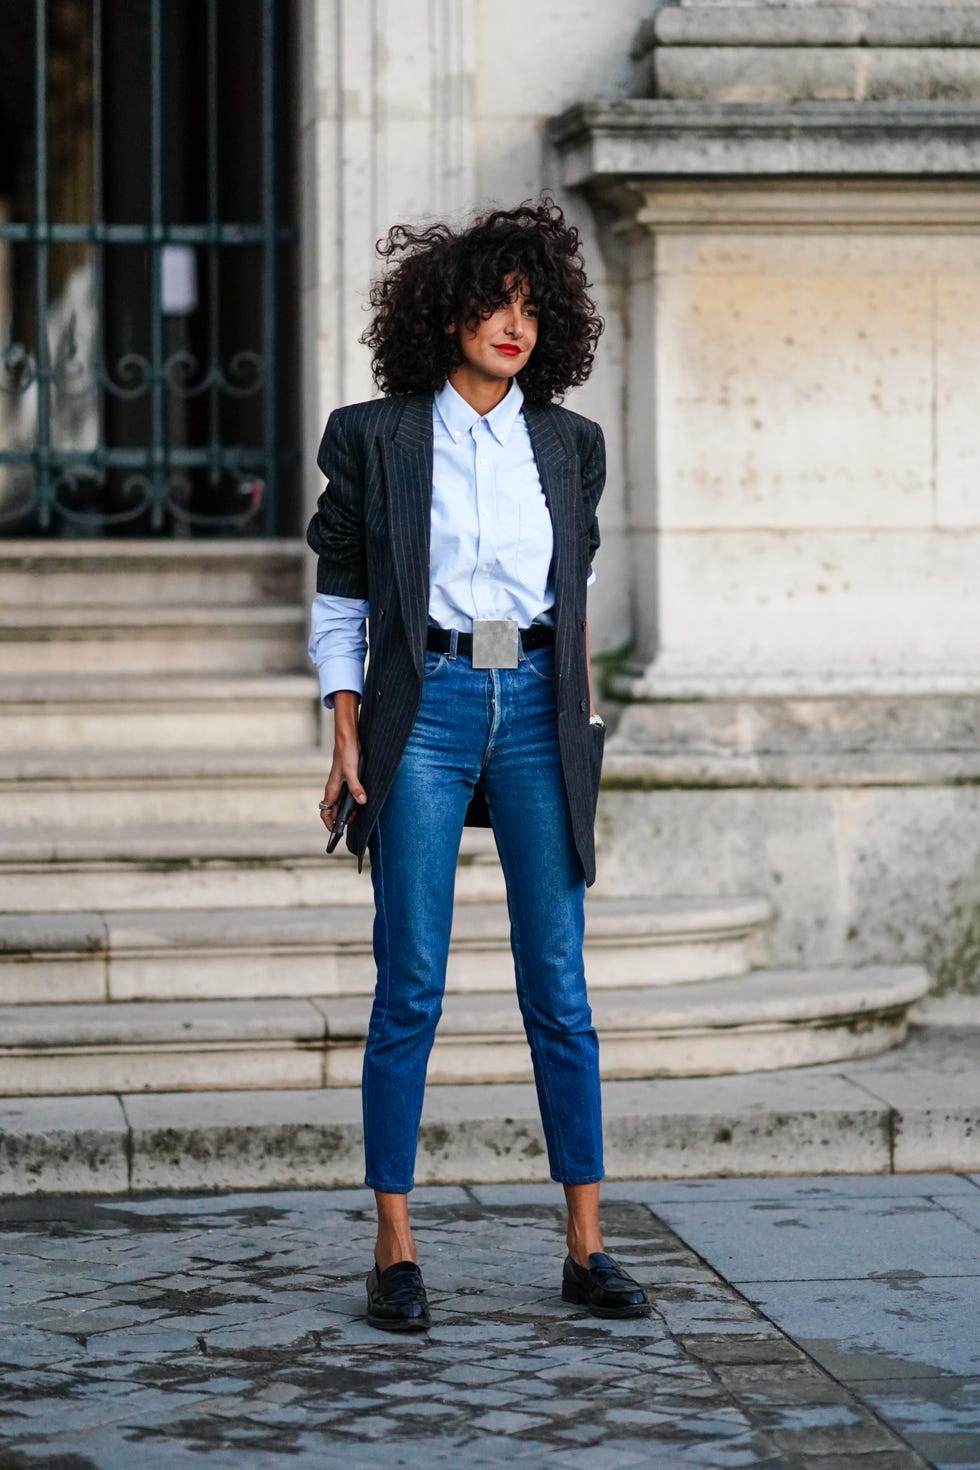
(421, 108)
(804, 492)
(780, 206)
(797, 196)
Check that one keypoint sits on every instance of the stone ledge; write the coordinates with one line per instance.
(606, 144)
(626, 770)
(793, 740)
(917, 1109)
(768, 1020)
(817, 724)
(157, 690)
(42, 555)
(839, 25)
(770, 74)
(76, 1145)
(344, 930)
(756, 53)
(75, 622)
(666, 680)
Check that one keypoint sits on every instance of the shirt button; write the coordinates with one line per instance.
(484, 463)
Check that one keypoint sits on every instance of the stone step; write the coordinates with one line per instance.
(75, 712)
(213, 954)
(858, 740)
(120, 788)
(41, 574)
(224, 639)
(240, 865)
(757, 727)
(914, 1109)
(772, 1019)
(768, 1019)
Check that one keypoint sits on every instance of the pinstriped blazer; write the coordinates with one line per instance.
(371, 535)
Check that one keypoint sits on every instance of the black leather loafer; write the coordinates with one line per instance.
(604, 1287)
(396, 1299)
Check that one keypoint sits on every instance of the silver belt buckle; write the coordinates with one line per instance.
(495, 643)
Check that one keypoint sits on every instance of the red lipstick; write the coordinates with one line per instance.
(508, 349)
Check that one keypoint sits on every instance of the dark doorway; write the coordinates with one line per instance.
(147, 268)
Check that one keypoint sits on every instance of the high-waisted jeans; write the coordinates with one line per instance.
(498, 725)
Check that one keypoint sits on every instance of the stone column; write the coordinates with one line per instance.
(387, 132)
(804, 284)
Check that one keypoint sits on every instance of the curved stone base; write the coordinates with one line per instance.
(770, 1019)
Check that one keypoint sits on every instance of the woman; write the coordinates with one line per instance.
(459, 521)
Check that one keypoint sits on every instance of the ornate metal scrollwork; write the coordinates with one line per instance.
(132, 366)
(69, 482)
(239, 367)
(244, 375)
(251, 491)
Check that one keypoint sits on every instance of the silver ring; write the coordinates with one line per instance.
(327, 806)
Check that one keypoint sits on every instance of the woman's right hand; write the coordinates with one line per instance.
(346, 756)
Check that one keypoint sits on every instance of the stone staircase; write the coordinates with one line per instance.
(169, 920)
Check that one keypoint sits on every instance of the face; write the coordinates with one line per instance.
(499, 345)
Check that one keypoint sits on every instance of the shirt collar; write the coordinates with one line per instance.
(459, 417)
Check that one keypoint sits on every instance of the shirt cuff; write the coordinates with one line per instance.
(340, 673)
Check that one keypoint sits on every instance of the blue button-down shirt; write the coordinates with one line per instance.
(491, 539)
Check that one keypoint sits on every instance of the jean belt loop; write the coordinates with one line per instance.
(453, 641)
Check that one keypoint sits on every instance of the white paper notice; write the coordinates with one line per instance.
(179, 280)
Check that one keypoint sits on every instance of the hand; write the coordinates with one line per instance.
(343, 768)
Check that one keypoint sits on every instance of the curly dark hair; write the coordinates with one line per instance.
(439, 276)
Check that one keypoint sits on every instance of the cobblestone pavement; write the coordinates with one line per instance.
(835, 1326)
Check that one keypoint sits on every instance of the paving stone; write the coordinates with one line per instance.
(793, 1383)
(965, 1208)
(893, 1459)
(656, 1192)
(866, 1329)
(766, 1347)
(762, 1240)
(243, 1342)
(939, 1415)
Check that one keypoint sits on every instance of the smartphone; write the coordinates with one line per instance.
(345, 808)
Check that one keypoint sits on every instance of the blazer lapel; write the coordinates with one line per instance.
(407, 460)
(554, 452)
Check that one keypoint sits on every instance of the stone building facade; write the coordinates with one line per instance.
(780, 205)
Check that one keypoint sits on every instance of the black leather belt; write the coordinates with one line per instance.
(438, 639)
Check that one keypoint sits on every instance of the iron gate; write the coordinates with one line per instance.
(147, 261)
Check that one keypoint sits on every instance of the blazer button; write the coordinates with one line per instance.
(584, 623)
(583, 705)
(381, 613)
(378, 696)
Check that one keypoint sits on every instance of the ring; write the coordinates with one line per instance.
(327, 806)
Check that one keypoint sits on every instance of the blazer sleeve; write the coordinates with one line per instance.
(336, 532)
(593, 482)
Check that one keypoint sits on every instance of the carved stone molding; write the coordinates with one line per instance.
(604, 144)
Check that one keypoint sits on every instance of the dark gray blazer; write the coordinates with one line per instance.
(371, 534)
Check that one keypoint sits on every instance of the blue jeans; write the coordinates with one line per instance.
(498, 725)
